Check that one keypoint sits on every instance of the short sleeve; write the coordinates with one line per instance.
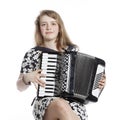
(31, 61)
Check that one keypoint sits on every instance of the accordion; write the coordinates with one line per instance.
(71, 75)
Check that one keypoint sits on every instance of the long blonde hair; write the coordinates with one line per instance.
(62, 39)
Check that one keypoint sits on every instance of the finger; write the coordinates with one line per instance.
(101, 85)
(40, 82)
(102, 81)
(103, 76)
(39, 76)
(42, 75)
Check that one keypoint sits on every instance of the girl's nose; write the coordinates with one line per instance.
(48, 27)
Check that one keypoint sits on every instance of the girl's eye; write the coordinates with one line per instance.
(43, 24)
(53, 23)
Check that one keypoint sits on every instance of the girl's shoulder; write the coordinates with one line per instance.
(32, 52)
(72, 48)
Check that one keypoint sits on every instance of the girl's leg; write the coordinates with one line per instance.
(59, 109)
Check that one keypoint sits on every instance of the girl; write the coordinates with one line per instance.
(50, 35)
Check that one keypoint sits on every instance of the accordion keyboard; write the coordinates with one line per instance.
(49, 65)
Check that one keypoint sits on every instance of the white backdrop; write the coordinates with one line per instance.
(94, 25)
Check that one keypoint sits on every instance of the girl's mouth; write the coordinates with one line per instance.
(49, 32)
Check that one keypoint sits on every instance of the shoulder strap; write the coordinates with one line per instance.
(44, 49)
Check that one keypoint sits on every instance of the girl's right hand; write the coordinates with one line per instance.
(34, 77)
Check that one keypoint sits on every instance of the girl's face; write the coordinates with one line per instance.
(49, 28)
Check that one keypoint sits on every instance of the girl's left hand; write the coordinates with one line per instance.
(102, 82)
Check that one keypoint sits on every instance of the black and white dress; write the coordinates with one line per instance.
(31, 63)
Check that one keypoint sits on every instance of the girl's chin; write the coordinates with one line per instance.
(49, 39)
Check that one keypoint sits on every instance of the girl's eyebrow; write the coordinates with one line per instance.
(46, 21)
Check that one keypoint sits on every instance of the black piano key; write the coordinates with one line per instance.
(51, 58)
(50, 80)
(49, 85)
(49, 88)
(50, 77)
(51, 65)
(49, 91)
(49, 61)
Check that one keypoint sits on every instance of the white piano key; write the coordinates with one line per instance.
(48, 67)
(47, 63)
(46, 55)
(42, 89)
(49, 90)
(51, 82)
(47, 70)
(50, 75)
(49, 94)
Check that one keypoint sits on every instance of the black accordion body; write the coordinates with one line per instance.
(71, 75)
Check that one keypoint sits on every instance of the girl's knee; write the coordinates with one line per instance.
(59, 109)
(59, 105)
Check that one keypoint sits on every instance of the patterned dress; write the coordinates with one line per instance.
(31, 62)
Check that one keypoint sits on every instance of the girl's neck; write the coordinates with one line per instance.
(51, 45)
